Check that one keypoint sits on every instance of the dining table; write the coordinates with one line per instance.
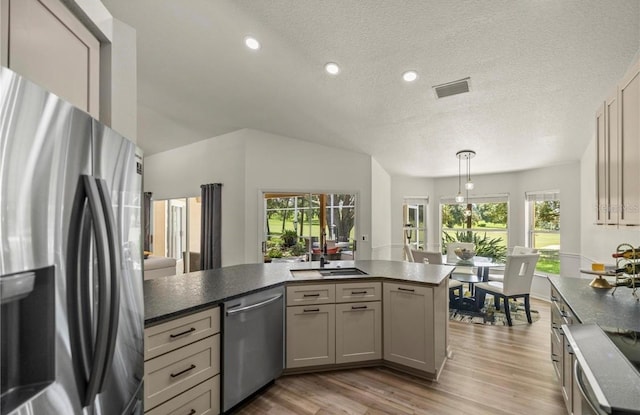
(472, 272)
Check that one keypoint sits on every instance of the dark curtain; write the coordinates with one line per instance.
(211, 226)
(146, 221)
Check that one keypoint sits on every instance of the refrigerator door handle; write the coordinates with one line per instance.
(115, 266)
(89, 362)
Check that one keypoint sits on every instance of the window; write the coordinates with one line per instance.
(543, 228)
(414, 219)
(175, 231)
(482, 220)
(297, 225)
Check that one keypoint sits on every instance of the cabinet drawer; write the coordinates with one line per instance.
(204, 399)
(173, 373)
(359, 291)
(311, 294)
(173, 334)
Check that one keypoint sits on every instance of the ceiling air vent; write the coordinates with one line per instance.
(452, 88)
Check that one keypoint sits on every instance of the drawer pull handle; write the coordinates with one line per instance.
(311, 310)
(358, 292)
(175, 375)
(406, 289)
(554, 298)
(311, 295)
(173, 336)
(192, 412)
(358, 307)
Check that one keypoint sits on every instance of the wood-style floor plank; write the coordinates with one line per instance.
(494, 370)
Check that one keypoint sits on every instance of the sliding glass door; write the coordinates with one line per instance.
(297, 226)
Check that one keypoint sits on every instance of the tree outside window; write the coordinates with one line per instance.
(543, 228)
(481, 220)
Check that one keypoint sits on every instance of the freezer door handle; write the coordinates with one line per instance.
(89, 362)
(115, 267)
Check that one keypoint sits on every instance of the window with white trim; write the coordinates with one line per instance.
(414, 222)
(483, 220)
(542, 212)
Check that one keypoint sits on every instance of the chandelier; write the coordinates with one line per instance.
(467, 155)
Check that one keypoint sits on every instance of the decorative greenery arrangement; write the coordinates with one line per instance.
(287, 246)
(485, 246)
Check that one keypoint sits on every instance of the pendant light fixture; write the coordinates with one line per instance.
(459, 197)
(467, 155)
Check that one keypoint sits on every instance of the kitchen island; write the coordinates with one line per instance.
(166, 298)
(333, 321)
(594, 342)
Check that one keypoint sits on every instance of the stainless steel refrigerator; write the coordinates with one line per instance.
(71, 309)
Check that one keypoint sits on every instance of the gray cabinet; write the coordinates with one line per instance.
(182, 365)
(46, 43)
(415, 326)
(338, 323)
(311, 335)
(358, 332)
(561, 353)
(617, 153)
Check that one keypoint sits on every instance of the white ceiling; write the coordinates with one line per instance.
(538, 68)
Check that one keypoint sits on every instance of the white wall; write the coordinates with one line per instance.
(276, 163)
(381, 212)
(598, 242)
(564, 178)
(250, 162)
(180, 172)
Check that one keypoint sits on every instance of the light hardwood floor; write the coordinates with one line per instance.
(494, 370)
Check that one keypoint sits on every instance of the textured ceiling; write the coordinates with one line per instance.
(538, 69)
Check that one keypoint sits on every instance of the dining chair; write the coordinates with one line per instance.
(452, 258)
(518, 274)
(456, 288)
(498, 274)
(432, 257)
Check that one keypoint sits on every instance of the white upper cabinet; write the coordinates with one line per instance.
(618, 154)
(629, 147)
(43, 41)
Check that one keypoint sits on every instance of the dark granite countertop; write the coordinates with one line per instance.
(597, 305)
(166, 298)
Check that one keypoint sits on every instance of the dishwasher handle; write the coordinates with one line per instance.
(253, 306)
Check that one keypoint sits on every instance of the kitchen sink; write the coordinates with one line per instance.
(327, 273)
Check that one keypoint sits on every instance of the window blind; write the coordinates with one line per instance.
(542, 196)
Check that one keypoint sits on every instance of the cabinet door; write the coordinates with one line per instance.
(629, 147)
(47, 44)
(567, 377)
(311, 335)
(358, 332)
(612, 212)
(408, 326)
(601, 169)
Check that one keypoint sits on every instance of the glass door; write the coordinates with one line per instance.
(297, 226)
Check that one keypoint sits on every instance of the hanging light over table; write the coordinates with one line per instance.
(467, 155)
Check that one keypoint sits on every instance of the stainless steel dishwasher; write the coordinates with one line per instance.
(253, 344)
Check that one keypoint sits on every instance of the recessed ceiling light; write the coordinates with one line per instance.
(332, 68)
(252, 43)
(410, 76)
